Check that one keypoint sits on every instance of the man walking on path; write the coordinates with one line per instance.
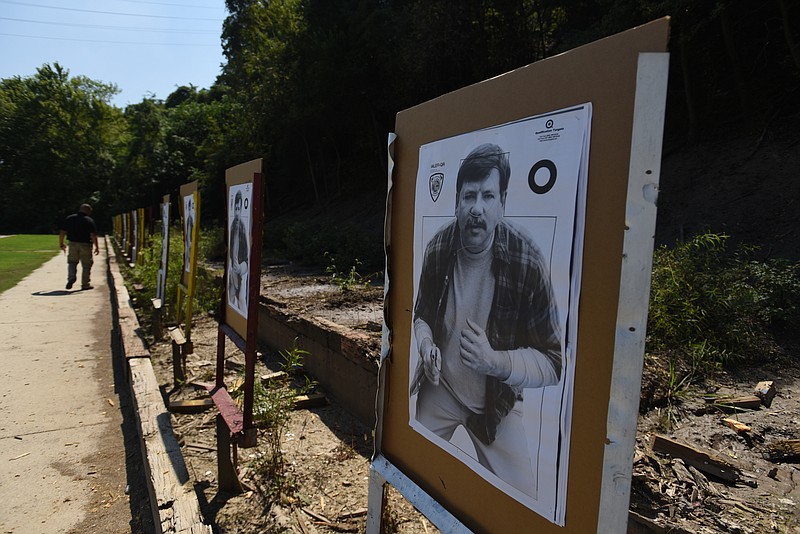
(63, 415)
(81, 232)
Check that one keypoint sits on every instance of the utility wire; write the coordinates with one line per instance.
(168, 4)
(122, 28)
(99, 41)
(107, 12)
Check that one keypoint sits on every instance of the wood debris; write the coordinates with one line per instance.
(265, 379)
(787, 450)
(190, 405)
(732, 405)
(705, 461)
(765, 390)
(736, 425)
(309, 401)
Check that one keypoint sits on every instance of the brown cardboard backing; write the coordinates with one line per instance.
(240, 174)
(603, 73)
(185, 190)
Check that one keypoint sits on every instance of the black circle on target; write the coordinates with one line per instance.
(551, 181)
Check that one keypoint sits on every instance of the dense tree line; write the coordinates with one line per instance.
(313, 86)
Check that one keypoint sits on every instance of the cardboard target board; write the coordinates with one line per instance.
(190, 210)
(161, 280)
(239, 182)
(516, 329)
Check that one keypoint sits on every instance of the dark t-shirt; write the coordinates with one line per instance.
(79, 226)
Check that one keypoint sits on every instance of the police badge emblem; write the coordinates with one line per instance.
(435, 185)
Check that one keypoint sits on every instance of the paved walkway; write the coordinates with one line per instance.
(62, 445)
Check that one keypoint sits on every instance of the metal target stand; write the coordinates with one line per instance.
(235, 426)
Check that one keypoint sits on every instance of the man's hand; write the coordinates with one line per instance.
(431, 360)
(63, 247)
(478, 355)
(96, 251)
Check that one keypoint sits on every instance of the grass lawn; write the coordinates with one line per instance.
(21, 254)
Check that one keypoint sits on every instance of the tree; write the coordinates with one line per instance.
(58, 144)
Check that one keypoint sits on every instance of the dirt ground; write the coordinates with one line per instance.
(327, 451)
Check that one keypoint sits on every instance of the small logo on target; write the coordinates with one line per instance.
(435, 185)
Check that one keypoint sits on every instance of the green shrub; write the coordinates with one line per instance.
(311, 243)
(212, 244)
(710, 307)
(208, 286)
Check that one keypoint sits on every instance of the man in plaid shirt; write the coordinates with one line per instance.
(485, 322)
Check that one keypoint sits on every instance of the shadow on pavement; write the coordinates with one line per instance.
(54, 293)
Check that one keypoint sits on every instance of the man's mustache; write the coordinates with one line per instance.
(476, 222)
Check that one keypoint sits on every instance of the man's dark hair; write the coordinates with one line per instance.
(238, 198)
(480, 162)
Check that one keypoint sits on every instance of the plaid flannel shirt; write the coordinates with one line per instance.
(523, 312)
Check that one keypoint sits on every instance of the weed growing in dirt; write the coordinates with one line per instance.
(272, 405)
(348, 281)
(676, 389)
(293, 365)
(293, 358)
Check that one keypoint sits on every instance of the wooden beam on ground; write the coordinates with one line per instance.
(171, 488)
(174, 503)
(784, 451)
(705, 461)
(190, 405)
(273, 376)
(303, 402)
(734, 405)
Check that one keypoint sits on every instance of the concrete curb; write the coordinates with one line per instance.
(338, 356)
(173, 500)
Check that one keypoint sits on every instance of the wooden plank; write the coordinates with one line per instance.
(784, 450)
(733, 405)
(736, 425)
(176, 334)
(175, 505)
(748, 402)
(169, 483)
(133, 344)
(228, 409)
(705, 461)
(273, 376)
(190, 405)
(309, 401)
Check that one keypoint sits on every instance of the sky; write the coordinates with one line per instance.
(147, 48)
